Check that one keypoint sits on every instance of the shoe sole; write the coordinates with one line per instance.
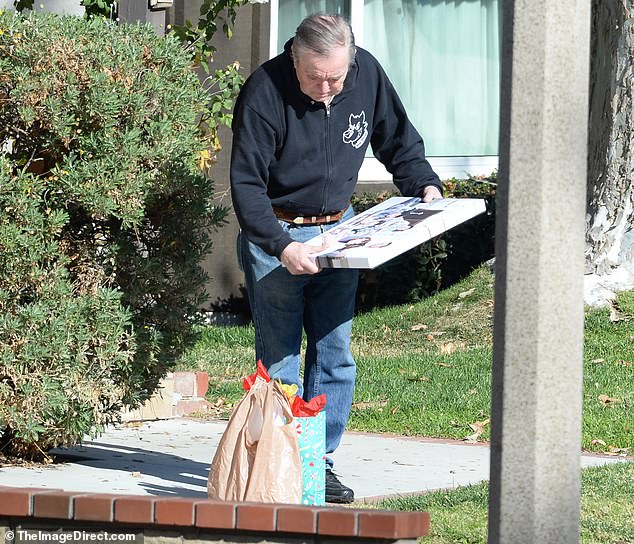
(339, 500)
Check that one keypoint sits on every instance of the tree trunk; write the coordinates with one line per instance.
(609, 234)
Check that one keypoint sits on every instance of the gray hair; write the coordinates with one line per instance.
(320, 33)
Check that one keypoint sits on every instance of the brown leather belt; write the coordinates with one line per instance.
(292, 217)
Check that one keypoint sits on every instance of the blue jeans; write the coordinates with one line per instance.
(323, 306)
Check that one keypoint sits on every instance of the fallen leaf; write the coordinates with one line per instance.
(623, 363)
(415, 378)
(597, 361)
(608, 400)
(419, 327)
(443, 364)
(465, 294)
(394, 410)
(598, 441)
(616, 315)
(134, 424)
(613, 450)
(369, 404)
(447, 348)
(478, 428)
(430, 337)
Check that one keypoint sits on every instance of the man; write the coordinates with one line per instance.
(302, 124)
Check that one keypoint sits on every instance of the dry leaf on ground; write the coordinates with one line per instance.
(608, 401)
(415, 378)
(616, 315)
(613, 450)
(369, 404)
(465, 294)
(447, 348)
(478, 428)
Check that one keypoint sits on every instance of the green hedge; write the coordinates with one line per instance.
(105, 216)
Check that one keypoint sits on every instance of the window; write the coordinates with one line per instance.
(443, 58)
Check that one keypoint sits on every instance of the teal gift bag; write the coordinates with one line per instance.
(311, 438)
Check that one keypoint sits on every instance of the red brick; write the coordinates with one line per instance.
(174, 512)
(393, 525)
(16, 501)
(53, 504)
(134, 509)
(215, 514)
(94, 507)
(297, 519)
(255, 517)
(202, 383)
(337, 522)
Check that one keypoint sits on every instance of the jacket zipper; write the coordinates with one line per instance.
(328, 160)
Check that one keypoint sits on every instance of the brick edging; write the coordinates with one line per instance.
(205, 514)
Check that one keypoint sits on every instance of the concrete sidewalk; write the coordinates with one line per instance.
(172, 457)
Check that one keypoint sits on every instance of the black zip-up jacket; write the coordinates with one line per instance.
(294, 153)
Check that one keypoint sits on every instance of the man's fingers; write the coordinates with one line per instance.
(325, 242)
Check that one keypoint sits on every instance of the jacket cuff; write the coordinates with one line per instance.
(281, 246)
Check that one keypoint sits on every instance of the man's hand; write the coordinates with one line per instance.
(430, 193)
(296, 258)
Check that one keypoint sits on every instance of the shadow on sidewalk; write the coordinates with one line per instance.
(182, 477)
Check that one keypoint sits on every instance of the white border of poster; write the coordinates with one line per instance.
(390, 228)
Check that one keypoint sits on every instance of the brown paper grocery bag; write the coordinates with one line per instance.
(258, 456)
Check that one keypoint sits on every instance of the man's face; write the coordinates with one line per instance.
(320, 77)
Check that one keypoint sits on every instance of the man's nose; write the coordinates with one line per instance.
(325, 87)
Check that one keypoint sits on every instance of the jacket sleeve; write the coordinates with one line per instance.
(397, 144)
(254, 143)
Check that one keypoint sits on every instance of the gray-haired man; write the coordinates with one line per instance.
(302, 124)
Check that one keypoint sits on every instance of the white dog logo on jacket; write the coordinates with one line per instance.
(357, 131)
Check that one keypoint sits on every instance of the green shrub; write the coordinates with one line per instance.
(438, 263)
(105, 216)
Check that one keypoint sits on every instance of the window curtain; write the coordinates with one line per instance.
(443, 58)
(292, 12)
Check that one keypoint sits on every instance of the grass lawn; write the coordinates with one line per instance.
(607, 508)
(424, 369)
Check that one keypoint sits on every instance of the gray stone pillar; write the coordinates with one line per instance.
(538, 337)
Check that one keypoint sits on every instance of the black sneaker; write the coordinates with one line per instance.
(336, 492)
